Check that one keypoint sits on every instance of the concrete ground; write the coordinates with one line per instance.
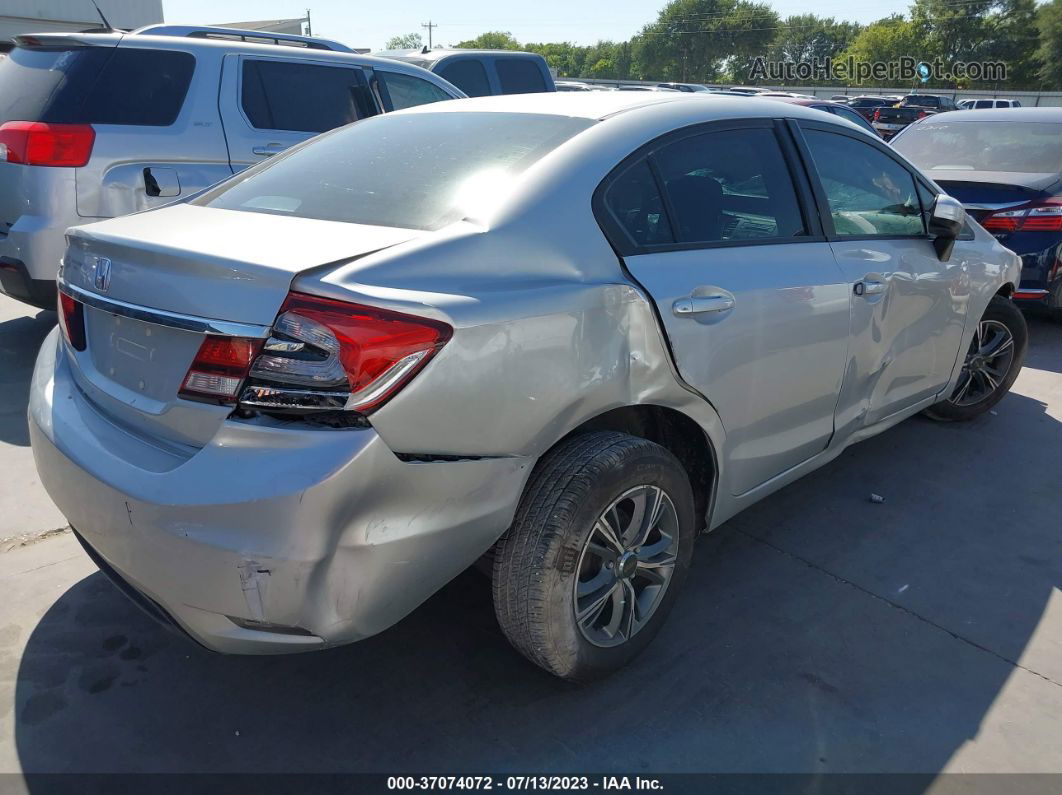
(818, 632)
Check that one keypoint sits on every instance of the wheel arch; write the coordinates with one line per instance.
(672, 429)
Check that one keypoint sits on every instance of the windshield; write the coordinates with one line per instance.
(416, 171)
(1024, 147)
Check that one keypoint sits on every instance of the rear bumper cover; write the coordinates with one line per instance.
(16, 282)
(307, 538)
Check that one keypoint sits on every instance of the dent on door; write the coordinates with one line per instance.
(908, 312)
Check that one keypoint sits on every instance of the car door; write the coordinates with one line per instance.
(271, 103)
(908, 307)
(712, 222)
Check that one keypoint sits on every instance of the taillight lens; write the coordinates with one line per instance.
(219, 367)
(72, 321)
(877, 114)
(327, 354)
(36, 143)
(922, 114)
(1043, 216)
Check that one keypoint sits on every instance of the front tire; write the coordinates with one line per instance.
(597, 552)
(992, 363)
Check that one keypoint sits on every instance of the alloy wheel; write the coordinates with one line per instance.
(987, 363)
(626, 565)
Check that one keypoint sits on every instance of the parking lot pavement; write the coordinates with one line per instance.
(818, 632)
(25, 509)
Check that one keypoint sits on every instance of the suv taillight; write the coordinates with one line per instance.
(1043, 216)
(72, 321)
(877, 114)
(36, 143)
(323, 355)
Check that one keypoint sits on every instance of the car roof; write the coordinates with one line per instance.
(1004, 114)
(601, 105)
(444, 52)
(192, 43)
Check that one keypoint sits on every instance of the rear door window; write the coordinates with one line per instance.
(406, 91)
(468, 75)
(302, 97)
(519, 76)
(731, 185)
(95, 85)
(633, 200)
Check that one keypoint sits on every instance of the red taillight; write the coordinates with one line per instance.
(877, 114)
(220, 367)
(922, 114)
(1044, 216)
(72, 321)
(36, 143)
(328, 354)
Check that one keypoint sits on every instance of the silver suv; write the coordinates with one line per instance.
(98, 125)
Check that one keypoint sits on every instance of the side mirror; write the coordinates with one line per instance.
(946, 221)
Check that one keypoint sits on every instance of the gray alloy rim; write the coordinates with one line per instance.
(987, 363)
(626, 564)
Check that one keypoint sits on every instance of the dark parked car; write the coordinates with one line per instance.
(836, 108)
(481, 73)
(865, 106)
(1005, 165)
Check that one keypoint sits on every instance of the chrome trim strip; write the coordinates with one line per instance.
(160, 317)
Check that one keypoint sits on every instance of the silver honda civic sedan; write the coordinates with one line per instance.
(558, 334)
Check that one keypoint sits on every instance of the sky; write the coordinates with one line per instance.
(365, 24)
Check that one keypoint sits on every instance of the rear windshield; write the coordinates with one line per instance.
(417, 171)
(924, 101)
(1023, 147)
(94, 85)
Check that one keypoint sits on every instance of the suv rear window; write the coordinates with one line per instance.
(418, 171)
(519, 76)
(95, 85)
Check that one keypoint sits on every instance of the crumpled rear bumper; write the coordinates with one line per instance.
(271, 538)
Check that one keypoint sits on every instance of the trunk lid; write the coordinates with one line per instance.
(154, 284)
(983, 193)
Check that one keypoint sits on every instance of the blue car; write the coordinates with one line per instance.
(1005, 166)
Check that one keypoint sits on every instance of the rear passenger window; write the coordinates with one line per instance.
(468, 75)
(729, 186)
(634, 202)
(406, 91)
(91, 85)
(868, 192)
(278, 95)
(519, 76)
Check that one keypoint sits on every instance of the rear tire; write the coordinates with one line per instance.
(993, 361)
(566, 553)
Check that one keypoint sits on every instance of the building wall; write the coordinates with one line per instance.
(39, 16)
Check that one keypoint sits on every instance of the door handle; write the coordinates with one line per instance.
(869, 287)
(700, 304)
(268, 150)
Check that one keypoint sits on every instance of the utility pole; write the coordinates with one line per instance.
(429, 25)
(309, 27)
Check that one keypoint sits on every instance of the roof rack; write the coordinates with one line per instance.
(250, 36)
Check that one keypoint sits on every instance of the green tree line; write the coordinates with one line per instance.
(717, 41)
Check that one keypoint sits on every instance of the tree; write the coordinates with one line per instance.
(807, 38)
(492, 40)
(887, 40)
(410, 41)
(1049, 23)
(696, 40)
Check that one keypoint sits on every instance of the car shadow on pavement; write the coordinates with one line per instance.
(818, 632)
(20, 339)
(1045, 342)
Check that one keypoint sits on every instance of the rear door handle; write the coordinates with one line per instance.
(268, 150)
(700, 304)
